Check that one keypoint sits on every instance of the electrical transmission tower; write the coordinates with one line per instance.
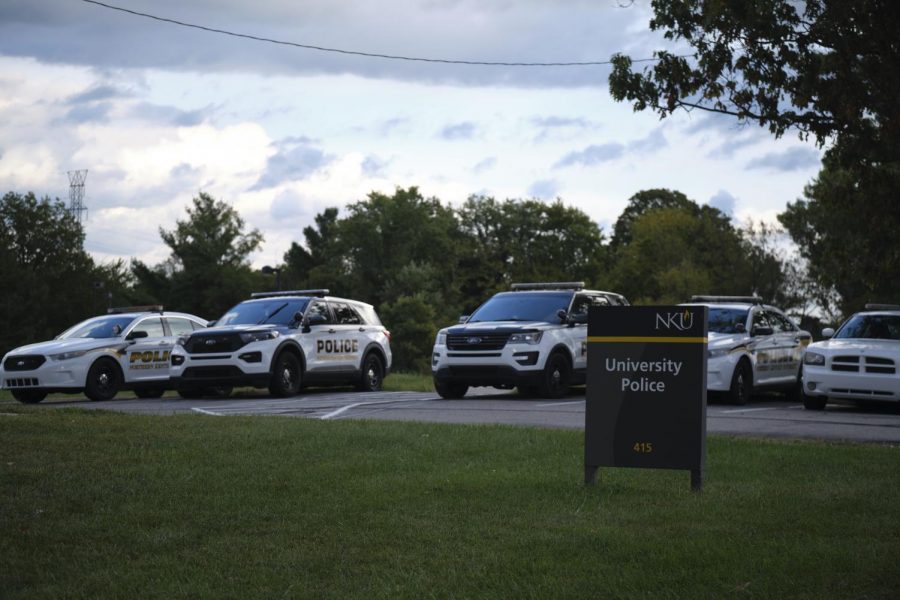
(76, 193)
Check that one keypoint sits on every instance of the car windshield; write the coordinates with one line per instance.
(98, 327)
(872, 327)
(726, 320)
(277, 311)
(522, 306)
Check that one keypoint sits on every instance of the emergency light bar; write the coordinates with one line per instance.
(317, 293)
(722, 299)
(132, 309)
(882, 306)
(553, 285)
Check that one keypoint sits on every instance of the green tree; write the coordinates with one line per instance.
(320, 263)
(823, 67)
(846, 228)
(642, 202)
(50, 281)
(208, 270)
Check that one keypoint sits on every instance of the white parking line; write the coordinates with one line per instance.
(743, 410)
(561, 403)
(344, 409)
(207, 412)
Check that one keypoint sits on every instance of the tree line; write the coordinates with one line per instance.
(421, 262)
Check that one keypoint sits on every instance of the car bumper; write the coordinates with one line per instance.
(248, 366)
(823, 382)
(511, 366)
(50, 375)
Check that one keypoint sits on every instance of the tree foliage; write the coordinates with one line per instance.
(826, 68)
(208, 269)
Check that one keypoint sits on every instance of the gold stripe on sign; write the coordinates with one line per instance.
(646, 339)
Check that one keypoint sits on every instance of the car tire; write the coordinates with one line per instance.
(104, 380)
(451, 391)
(286, 376)
(741, 384)
(372, 377)
(29, 396)
(149, 393)
(555, 378)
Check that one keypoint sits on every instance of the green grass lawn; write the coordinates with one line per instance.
(96, 504)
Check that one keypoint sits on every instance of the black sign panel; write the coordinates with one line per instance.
(646, 389)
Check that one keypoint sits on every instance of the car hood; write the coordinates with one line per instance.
(497, 327)
(237, 329)
(70, 345)
(860, 346)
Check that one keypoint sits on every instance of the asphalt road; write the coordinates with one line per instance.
(766, 416)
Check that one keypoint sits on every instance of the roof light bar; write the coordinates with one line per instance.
(318, 293)
(118, 310)
(551, 285)
(723, 299)
(875, 306)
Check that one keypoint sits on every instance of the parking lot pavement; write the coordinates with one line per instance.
(765, 417)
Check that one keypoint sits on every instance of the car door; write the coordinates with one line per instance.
(351, 332)
(762, 348)
(147, 358)
(789, 344)
(327, 350)
(578, 333)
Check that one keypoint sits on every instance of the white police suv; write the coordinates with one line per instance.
(126, 349)
(859, 362)
(285, 340)
(751, 346)
(533, 338)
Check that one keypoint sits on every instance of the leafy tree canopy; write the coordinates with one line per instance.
(826, 68)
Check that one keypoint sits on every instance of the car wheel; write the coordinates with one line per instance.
(285, 376)
(372, 376)
(555, 378)
(189, 393)
(451, 391)
(741, 384)
(147, 393)
(29, 396)
(104, 380)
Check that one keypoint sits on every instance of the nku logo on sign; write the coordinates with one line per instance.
(679, 321)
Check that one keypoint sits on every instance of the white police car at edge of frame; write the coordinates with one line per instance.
(533, 338)
(128, 348)
(284, 341)
(859, 361)
(752, 346)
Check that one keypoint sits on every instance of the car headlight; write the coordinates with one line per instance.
(813, 358)
(441, 339)
(68, 355)
(717, 352)
(258, 336)
(526, 338)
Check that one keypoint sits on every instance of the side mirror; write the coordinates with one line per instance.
(297, 319)
(827, 332)
(463, 319)
(211, 323)
(563, 315)
(761, 330)
(740, 328)
(577, 319)
(311, 320)
(136, 335)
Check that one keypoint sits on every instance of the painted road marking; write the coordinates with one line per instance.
(743, 410)
(344, 409)
(562, 403)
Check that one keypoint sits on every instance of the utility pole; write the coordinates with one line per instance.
(76, 193)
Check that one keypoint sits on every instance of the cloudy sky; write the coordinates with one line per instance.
(158, 112)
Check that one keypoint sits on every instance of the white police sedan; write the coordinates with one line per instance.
(127, 349)
(859, 361)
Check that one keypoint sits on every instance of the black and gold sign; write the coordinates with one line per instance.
(646, 389)
(149, 359)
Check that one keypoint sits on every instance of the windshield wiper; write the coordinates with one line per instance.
(277, 310)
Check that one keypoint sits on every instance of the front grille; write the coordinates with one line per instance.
(22, 382)
(25, 362)
(214, 343)
(211, 372)
(870, 364)
(477, 341)
(873, 393)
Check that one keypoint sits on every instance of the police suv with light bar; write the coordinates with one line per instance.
(751, 346)
(126, 349)
(285, 340)
(533, 338)
(859, 362)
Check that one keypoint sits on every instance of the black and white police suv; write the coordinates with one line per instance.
(533, 338)
(126, 349)
(285, 340)
(751, 346)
